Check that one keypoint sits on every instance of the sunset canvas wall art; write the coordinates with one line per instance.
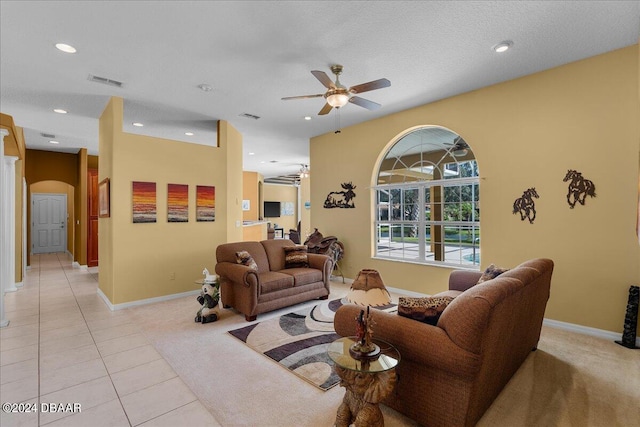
(205, 203)
(144, 202)
(177, 203)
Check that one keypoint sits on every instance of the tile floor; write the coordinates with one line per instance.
(64, 346)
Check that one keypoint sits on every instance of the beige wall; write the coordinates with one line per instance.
(282, 194)
(305, 214)
(81, 209)
(19, 174)
(250, 184)
(525, 133)
(63, 167)
(230, 143)
(140, 261)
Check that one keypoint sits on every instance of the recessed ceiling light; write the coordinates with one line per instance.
(503, 46)
(307, 117)
(59, 111)
(252, 153)
(53, 142)
(189, 133)
(66, 48)
(205, 87)
(137, 124)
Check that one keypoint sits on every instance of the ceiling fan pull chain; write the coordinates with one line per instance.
(338, 121)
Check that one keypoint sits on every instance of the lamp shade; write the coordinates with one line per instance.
(368, 290)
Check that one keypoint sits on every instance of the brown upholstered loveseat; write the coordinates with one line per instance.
(449, 374)
(271, 286)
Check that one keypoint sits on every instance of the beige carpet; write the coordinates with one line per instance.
(571, 380)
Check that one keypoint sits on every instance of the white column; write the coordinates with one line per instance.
(3, 247)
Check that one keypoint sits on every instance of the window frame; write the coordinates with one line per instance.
(420, 254)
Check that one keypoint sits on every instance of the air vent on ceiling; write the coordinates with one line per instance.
(48, 135)
(250, 116)
(105, 81)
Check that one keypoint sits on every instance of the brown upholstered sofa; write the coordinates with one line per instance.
(271, 286)
(449, 374)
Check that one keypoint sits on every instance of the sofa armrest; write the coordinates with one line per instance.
(237, 273)
(320, 262)
(461, 280)
(416, 341)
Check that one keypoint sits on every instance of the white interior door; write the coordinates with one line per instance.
(49, 223)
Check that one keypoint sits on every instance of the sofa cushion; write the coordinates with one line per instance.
(226, 252)
(491, 272)
(245, 258)
(275, 253)
(295, 256)
(424, 309)
(272, 281)
(303, 276)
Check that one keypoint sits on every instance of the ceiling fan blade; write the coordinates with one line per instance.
(325, 109)
(319, 95)
(365, 87)
(369, 105)
(324, 79)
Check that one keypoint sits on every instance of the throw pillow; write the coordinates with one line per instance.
(245, 258)
(423, 309)
(491, 273)
(295, 256)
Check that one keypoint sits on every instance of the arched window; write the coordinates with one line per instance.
(427, 200)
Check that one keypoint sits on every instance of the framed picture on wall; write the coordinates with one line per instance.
(103, 199)
(144, 202)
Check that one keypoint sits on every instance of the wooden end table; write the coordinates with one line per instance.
(367, 382)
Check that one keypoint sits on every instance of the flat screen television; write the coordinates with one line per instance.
(271, 209)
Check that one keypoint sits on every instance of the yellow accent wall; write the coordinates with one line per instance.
(525, 133)
(230, 143)
(305, 214)
(251, 182)
(71, 169)
(141, 261)
(283, 194)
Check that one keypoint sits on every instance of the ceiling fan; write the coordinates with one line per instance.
(459, 147)
(337, 95)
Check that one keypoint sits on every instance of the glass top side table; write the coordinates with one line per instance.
(367, 382)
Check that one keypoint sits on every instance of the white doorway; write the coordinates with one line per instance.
(48, 223)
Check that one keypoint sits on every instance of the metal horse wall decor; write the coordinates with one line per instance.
(579, 188)
(341, 199)
(525, 205)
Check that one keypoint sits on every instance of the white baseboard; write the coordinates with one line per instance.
(19, 285)
(114, 307)
(586, 330)
(92, 269)
(75, 264)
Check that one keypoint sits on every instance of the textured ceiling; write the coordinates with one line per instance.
(255, 53)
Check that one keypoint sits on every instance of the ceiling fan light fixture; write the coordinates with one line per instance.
(460, 152)
(337, 100)
(304, 171)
